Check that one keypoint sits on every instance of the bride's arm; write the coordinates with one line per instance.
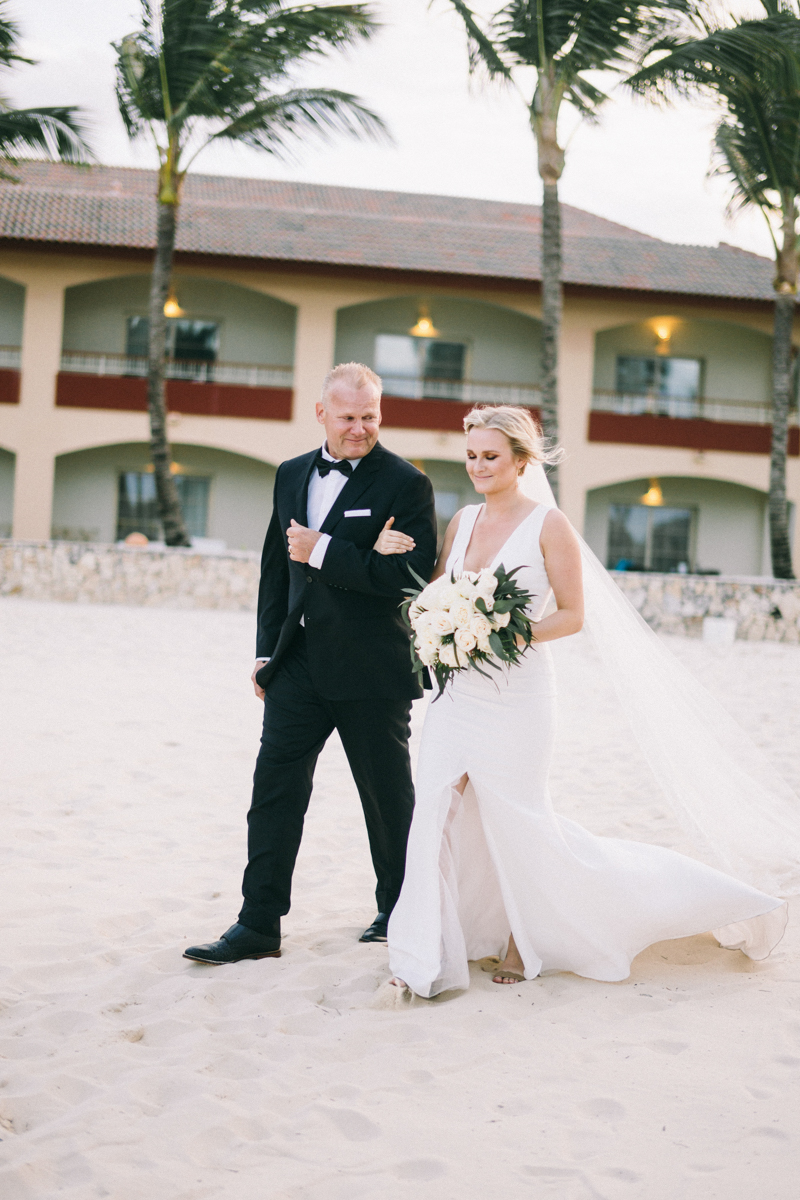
(447, 546)
(562, 560)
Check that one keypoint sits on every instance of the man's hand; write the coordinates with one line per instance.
(259, 691)
(301, 541)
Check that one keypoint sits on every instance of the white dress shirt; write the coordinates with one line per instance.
(322, 495)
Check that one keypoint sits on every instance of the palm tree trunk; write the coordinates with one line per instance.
(781, 400)
(544, 122)
(169, 506)
(552, 301)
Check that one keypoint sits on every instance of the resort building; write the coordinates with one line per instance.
(665, 358)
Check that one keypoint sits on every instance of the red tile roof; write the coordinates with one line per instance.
(356, 227)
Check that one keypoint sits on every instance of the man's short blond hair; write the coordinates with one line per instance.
(354, 375)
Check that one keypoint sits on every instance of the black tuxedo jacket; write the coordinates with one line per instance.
(358, 643)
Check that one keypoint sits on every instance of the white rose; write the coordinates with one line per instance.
(447, 596)
(447, 655)
(421, 622)
(465, 587)
(487, 582)
(501, 619)
(465, 640)
(462, 613)
(485, 646)
(426, 652)
(480, 627)
(441, 623)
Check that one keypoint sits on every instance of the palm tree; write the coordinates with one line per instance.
(565, 41)
(54, 132)
(753, 67)
(199, 72)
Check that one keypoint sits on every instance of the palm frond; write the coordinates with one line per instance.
(735, 160)
(9, 37)
(56, 133)
(218, 56)
(483, 53)
(274, 122)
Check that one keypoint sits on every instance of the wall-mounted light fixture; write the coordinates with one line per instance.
(171, 306)
(663, 332)
(424, 326)
(653, 497)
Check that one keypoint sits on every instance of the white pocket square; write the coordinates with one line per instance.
(358, 512)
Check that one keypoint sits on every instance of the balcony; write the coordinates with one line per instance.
(442, 404)
(207, 389)
(741, 426)
(9, 374)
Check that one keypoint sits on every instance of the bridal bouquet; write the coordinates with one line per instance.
(468, 620)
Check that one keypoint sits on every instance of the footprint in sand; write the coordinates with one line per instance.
(664, 1047)
(353, 1125)
(420, 1169)
(603, 1109)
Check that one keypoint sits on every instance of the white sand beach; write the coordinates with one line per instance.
(127, 743)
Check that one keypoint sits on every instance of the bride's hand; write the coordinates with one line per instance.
(391, 541)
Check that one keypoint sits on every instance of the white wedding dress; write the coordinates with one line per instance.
(499, 860)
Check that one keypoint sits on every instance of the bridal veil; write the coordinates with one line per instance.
(738, 813)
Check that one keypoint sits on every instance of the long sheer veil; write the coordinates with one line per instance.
(738, 813)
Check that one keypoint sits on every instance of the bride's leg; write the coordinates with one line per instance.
(512, 965)
(460, 787)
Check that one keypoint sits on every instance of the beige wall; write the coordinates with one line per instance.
(38, 432)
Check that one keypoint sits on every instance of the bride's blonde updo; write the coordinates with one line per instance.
(523, 433)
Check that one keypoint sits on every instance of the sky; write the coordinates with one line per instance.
(640, 165)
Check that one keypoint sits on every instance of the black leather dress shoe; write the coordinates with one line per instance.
(237, 943)
(377, 930)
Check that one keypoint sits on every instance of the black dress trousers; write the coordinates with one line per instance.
(297, 723)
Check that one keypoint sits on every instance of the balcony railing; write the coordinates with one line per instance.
(465, 391)
(238, 374)
(740, 412)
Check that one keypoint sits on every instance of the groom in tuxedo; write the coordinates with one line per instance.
(333, 653)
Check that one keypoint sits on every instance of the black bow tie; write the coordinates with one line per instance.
(324, 466)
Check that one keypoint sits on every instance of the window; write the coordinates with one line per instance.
(649, 539)
(661, 385)
(137, 510)
(404, 362)
(187, 341)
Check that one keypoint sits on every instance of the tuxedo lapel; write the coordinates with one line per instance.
(301, 499)
(356, 485)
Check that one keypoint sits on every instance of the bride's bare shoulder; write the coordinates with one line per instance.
(557, 529)
(447, 544)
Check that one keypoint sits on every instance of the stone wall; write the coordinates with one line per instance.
(74, 571)
(764, 610)
(102, 574)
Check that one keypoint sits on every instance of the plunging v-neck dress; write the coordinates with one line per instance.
(499, 860)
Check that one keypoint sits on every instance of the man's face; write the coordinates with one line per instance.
(352, 419)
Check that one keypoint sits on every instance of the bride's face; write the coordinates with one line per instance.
(491, 464)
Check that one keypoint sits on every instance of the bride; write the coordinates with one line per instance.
(492, 871)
